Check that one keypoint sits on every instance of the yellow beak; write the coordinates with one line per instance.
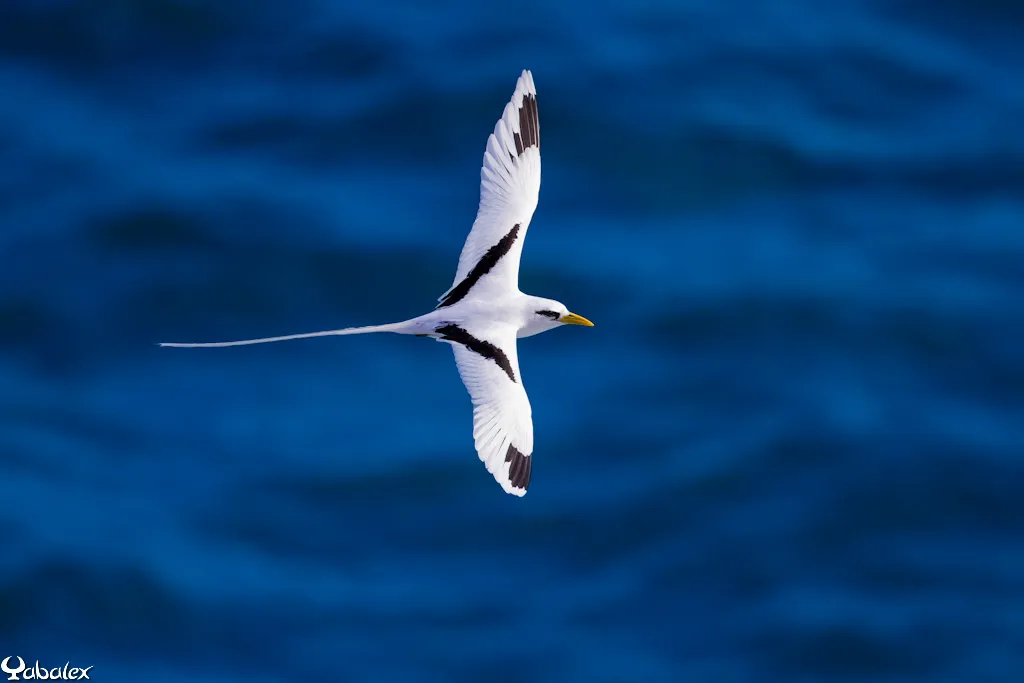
(573, 319)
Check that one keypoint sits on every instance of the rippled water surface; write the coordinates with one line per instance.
(792, 449)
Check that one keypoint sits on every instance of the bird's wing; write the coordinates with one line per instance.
(509, 187)
(502, 417)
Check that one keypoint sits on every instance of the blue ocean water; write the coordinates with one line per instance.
(792, 449)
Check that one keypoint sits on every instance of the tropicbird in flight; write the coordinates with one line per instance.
(483, 312)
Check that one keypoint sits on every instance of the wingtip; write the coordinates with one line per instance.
(527, 79)
(526, 83)
(517, 491)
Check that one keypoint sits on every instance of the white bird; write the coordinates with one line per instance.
(483, 312)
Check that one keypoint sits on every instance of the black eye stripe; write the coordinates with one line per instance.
(551, 314)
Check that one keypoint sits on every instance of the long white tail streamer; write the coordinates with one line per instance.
(393, 327)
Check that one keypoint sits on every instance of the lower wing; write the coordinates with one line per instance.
(502, 416)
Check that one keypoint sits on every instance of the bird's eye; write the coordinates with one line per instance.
(550, 314)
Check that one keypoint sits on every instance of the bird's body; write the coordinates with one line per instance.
(483, 313)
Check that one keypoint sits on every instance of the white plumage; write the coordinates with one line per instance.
(483, 312)
(509, 189)
(502, 416)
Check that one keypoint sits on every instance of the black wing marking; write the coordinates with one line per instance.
(482, 267)
(521, 468)
(529, 125)
(456, 334)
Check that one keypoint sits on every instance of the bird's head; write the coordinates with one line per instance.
(545, 314)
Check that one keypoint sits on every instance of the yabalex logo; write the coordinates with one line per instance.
(20, 672)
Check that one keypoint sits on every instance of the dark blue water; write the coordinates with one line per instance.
(792, 449)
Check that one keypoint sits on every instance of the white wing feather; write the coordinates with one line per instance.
(502, 416)
(509, 188)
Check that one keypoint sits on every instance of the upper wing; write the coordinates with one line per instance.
(509, 187)
(502, 416)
